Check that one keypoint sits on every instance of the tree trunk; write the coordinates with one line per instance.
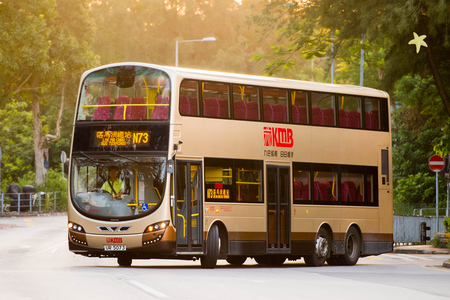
(38, 143)
(433, 67)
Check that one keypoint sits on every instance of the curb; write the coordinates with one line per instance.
(413, 251)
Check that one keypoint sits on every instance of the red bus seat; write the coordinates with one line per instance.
(328, 117)
(298, 187)
(303, 115)
(268, 112)
(194, 106)
(354, 119)
(240, 110)
(375, 122)
(343, 118)
(223, 105)
(295, 114)
(252, 110)
(317, 116)
(368, 121)
(118, 114)
(211, 107)
(161, 112)
(185, 105)
(279, 113)
(102, 113)
(138, 112)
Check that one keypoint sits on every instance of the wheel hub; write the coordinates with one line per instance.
(322, 247)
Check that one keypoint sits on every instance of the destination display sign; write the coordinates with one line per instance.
(120, 138)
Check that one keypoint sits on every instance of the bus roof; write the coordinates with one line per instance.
(197, 74)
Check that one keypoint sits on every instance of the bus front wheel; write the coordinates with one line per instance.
(209, 260)
(322, 249)
(124, 260)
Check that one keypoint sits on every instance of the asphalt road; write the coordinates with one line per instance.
(36, 264)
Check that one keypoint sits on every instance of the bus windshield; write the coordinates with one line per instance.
(124, 93)
(115, 186)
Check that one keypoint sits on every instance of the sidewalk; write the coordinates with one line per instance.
(423, 249)
(420, 249)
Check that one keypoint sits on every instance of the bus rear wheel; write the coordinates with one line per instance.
(322, 249)
(209, 260)
(236, 260)
(352, 246)
(124, 260)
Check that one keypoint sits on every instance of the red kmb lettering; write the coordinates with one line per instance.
(278, 137)
(113, 240)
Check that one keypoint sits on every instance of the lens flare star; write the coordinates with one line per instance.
(418, 41)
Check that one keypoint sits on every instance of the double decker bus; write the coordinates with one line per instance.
(188, 164)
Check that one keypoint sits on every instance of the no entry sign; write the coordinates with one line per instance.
(436, 163)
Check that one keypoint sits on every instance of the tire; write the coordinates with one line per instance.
(276, 260)
(236, 260)
(262, 260)
(124, 260)
(209, 260)
(322, 249)
(352, 248)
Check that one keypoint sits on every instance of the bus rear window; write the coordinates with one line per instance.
(128, 93)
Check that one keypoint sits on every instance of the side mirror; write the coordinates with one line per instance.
(170, 166)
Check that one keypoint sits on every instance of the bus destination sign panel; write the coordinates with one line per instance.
(120, 138)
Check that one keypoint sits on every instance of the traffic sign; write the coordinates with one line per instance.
(436, 163)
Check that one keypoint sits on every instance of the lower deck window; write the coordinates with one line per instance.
(332, 184)
(233, 180)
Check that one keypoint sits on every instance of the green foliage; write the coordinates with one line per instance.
(16, 140)
(447, 224)
(435, 242)
(419, 189)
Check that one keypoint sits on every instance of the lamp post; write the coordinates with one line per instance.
(206, 39)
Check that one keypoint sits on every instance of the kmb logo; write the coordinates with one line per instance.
(278, 137)
(113, 240)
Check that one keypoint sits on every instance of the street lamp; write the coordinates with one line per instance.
(206, 39)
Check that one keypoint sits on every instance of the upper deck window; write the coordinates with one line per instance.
(125, 93)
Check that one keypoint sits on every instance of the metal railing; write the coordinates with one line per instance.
(31, 202)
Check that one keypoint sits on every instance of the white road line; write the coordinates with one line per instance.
(413, 256)
(148, 289)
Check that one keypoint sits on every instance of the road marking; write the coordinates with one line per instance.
(414, 256)
(29, 222)
(148, 289)
(439, 268)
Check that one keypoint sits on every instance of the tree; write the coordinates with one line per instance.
(310, 27)
(44, 44)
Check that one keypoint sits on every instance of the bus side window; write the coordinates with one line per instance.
(188, 98)
(216, 102)
(349, 111)
(302, 186)
(249, 107)
(275, 105)
(323, 109)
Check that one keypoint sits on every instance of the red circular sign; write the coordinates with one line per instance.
(436, 163)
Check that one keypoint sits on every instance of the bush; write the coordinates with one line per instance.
(436, 243)
(447, 224)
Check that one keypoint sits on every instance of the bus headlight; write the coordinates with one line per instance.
(157, 226)
(75, 227)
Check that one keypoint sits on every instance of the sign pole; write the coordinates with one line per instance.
(437, 203)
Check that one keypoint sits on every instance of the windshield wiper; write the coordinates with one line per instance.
(85, 155)
(123, 156)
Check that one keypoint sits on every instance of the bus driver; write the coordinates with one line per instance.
(114, 185)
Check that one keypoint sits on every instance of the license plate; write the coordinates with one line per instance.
(115, 247)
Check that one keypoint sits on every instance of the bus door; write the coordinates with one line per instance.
(278, 209)
(189, 210)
